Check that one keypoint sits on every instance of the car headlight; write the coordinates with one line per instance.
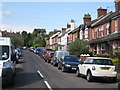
(68, 65)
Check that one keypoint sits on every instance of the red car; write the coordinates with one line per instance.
(49, 56)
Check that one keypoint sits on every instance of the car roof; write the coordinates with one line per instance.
(98, 58)
(61, 51)
(69, 56)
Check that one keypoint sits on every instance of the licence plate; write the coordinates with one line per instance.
(73, 68)
(105, 68)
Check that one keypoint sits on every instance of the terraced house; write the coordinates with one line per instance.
(104, 33)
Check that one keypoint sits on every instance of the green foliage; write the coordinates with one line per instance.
(78, 47)
(105, 56)
(36, 45)
(16, 38)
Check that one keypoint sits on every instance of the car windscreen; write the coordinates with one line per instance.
(103, 62)
(4, 52)
(71, 59)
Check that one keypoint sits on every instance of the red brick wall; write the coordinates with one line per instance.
(112, 26)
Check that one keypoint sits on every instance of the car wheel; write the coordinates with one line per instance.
(45, 60)
(48, 61)
(114, 79)
(78, 73)
(54, 64)
(89, 77)
(51, 63)
(58, 66)
(63, 69)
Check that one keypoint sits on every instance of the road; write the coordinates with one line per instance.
(33, 72)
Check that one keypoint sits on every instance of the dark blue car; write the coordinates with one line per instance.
(68, 63)
(38, 50)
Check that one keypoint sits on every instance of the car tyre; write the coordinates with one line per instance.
(78, 73)
(58, 66)
(63, 69)
(114, 79)
(54, 64)
(89, 77)
(48, 61)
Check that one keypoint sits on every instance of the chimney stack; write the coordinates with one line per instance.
(117, 5)
(72, 24)
(87, 18)
(101, 11)
(63, 30)
(68, 25)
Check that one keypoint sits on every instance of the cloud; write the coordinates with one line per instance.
(15, 28)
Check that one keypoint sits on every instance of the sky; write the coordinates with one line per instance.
(19, 16)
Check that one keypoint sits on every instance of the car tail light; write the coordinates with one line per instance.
(50, 57)
(93, 68)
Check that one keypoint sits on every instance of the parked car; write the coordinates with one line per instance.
(38, 50)
(49, 56)
(58, 54)
(24, 48)
(94, 67)
(19, 52)
(32, 49)
(68, 63)
(44, 52)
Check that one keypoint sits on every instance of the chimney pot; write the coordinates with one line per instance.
(87, 18)
(101, 11)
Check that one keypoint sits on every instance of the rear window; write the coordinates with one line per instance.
(103, 62)
(71, 59)
(60, 54)
(4, 52)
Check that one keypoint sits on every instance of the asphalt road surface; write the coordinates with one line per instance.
(34, 72)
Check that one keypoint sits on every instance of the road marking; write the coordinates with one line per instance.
(36, 66)
(40, 73)
(47, 84)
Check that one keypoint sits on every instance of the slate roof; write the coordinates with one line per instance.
(105, 18)
(64, 33)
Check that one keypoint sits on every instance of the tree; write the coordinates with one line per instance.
(78, 47)
(16, 38)
(24, 34)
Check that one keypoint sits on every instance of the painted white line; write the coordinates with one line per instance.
(36, 66)
(40, 73)
(49, 87)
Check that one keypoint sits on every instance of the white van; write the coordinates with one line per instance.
(7, 60)
(58, 54)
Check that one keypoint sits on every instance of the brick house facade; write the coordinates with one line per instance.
(104, 34)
